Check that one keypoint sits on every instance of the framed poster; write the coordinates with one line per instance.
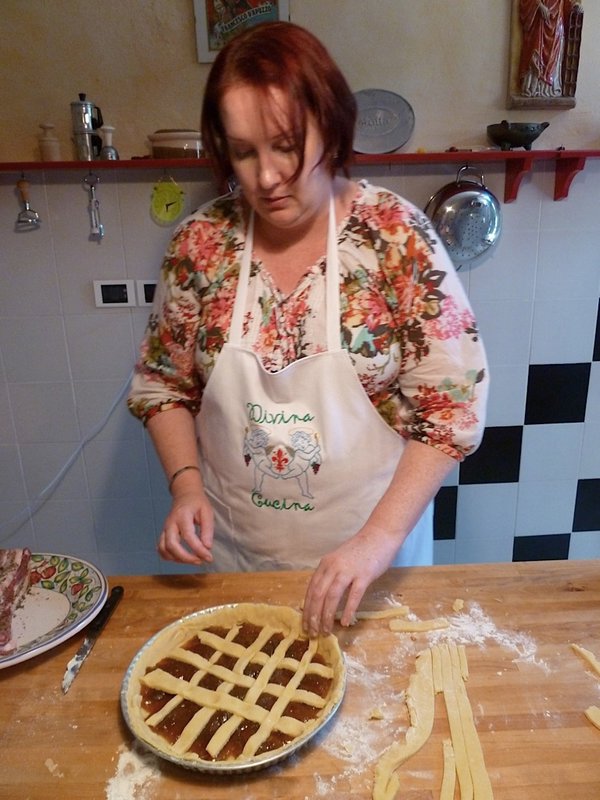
(218, 20)
(545, 40)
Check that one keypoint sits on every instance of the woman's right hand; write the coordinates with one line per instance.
(187, 535)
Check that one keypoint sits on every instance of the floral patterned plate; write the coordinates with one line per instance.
(66, 594)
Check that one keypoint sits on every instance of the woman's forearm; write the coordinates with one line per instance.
(418, 476)
(173, 434)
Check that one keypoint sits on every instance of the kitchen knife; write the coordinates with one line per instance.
(93, 631)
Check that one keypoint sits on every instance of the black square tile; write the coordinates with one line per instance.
(541, 548)
(596, 355)
(556, 393)
(444, 513)
(587, 505)
(498, 458)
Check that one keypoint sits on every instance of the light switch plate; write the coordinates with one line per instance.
(114, 294)
(145, 292)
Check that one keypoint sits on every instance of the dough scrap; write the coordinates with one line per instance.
(458, 604)
(588, 656)
(420, 700)
(593, 714)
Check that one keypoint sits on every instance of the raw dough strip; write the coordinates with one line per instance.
(588, 656)
(393, 611)
(593, 714)
(420, 700)
(456, 727)
(482, 787)
(418, 625)
(442, 668)
(449, 774)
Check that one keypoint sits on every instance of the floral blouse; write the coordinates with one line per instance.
(405, 320)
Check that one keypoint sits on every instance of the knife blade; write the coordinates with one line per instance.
(93, 631)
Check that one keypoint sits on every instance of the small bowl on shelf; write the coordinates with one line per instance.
(507, 135)
(176, 143)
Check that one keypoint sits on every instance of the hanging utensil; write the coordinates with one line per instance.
(96, 227)
(467, 217)
(28, 219)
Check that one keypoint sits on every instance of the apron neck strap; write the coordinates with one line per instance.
(332, 284)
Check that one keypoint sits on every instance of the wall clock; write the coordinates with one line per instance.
(167, 201)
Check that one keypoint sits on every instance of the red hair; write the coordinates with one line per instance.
(285, 56)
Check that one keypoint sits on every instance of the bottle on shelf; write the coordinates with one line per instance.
(49, 144)
(108, 152)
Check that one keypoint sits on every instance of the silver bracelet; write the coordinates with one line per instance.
(178, 472)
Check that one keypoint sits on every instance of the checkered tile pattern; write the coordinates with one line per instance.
(532, 491)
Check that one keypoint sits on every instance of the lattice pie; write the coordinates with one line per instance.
(232, 685)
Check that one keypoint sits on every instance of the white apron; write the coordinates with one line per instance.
(294, 461)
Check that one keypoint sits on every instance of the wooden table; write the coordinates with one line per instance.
(527, 688)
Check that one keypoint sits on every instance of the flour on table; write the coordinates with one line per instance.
(355, 739)
(476, 627)
(136, 776)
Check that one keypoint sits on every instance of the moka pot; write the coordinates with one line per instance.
(86, 118)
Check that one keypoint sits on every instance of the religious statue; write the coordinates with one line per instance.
(550, 34)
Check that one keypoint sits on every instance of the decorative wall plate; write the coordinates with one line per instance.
(384, 123)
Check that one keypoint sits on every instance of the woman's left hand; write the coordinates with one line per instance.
(350, 568)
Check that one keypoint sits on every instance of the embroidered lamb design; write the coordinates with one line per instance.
(282, 460)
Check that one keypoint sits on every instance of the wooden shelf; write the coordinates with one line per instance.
(567, 163)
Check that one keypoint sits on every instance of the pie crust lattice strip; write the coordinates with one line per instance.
(232, 688)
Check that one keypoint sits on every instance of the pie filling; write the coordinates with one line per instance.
(231, 693)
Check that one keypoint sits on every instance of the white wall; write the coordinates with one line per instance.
(137, 61)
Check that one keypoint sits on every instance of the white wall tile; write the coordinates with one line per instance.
(28, 278)
(117, 470)
(509, 272)
(65, 527)
(563, 330)
(33, 351)
(100, 345)
(505, 327)
(568, 263)
(123, 525)
(11, 474)
(507, 395)
(590, 453)
(7, 424)
(485, 519)
(584, 544)
(545, 507)
(44, 412)
(44, 462)
(551, 452)
(95, 399)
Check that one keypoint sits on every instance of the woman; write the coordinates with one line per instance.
(311, 370)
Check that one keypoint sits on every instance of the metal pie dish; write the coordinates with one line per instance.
(203, 618)
(467, 217)
(385, 121)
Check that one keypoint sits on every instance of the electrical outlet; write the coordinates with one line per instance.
(145, 292)
(114, 294)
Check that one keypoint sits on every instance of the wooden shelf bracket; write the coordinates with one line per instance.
(516, 168)
(566, 169)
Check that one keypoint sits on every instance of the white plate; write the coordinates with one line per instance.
(222, 767)
(385, 121)
(65, 595)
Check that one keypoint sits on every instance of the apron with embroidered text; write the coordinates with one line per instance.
(294, 461)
